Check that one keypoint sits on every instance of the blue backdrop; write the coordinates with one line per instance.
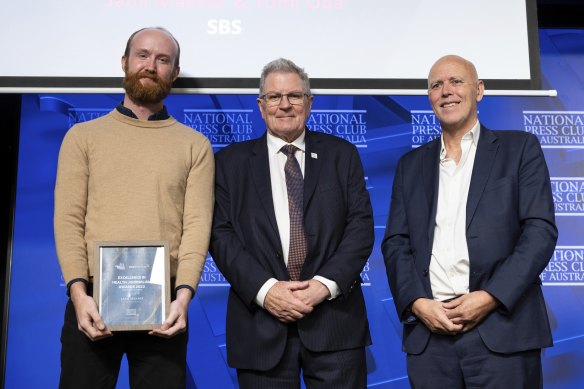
(383, 128)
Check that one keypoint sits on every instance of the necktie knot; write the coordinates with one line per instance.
(289, 150)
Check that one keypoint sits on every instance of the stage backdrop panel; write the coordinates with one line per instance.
(383, 128)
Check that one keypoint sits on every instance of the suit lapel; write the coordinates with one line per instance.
(485, 156)
(312, 164)
(430, 175)
(260, 173)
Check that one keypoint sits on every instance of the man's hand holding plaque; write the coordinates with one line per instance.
(132, 288)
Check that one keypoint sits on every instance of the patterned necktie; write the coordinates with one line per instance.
(295, 187)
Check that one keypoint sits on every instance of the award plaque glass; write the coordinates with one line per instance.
(131, 284)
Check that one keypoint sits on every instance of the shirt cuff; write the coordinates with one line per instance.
(261, 296)
(332, 286)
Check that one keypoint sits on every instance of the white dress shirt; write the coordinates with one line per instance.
(450, 264)
(277, 160)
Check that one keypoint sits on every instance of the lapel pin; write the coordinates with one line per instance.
(314, 155)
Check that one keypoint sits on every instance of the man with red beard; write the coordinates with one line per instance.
(135, 174)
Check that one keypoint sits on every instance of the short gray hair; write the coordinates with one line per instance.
(283, 65)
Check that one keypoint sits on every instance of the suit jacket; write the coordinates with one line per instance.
(510, 232)
(246, 247)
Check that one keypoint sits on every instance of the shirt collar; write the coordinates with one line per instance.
(275, 143)
(472, 134)
(160, 115)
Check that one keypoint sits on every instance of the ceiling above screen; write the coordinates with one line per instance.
(342, 44)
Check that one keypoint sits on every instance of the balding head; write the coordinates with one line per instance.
(455, 59)
(161, 29)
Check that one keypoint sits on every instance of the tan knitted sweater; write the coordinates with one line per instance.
(120, 178)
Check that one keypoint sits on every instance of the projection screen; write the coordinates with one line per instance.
(343, 44)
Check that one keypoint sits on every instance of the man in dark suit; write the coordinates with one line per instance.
(292, 230)
(470, 229)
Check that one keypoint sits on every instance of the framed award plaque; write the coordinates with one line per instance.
(132, 283)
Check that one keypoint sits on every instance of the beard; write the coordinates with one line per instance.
(146, 94)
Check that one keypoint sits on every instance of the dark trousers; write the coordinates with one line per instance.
(463, 361)
(153, 362)
(344, 369)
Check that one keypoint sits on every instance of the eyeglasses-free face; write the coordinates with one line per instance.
(454, 91)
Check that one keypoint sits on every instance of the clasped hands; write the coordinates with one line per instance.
(457, 316)
(290, 301)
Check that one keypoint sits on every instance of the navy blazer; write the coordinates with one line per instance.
(246, 247)
(510, 232)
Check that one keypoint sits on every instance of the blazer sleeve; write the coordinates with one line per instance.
(537, 240)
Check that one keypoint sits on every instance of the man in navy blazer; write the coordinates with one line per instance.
(471, 227)
(279, 325)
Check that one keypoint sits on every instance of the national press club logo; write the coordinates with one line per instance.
(221, 126)
(556, 129)
(566, 267)
(425, 127)
(568, 195)
(562, 130)
(349, 124)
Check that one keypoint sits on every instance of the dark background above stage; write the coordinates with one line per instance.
(560, 13)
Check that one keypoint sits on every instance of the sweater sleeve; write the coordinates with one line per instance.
(71, 206)
(197, 216)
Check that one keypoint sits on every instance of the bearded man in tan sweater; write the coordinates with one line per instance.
(133, 174)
